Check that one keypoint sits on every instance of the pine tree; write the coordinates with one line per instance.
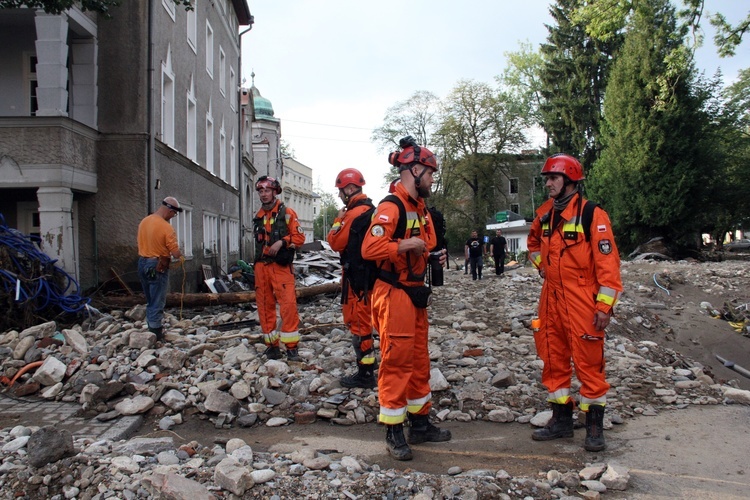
(574, 76)
(652, 174)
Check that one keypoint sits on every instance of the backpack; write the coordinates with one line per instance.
(359, 273)
(587, 216)
(438, 222)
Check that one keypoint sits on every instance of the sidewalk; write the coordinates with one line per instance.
(29, 411)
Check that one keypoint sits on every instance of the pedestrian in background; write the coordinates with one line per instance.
(497, 249)
(400, 300)
(157, 245)
(581, 271)
(356, 309)
(277, 236)
(474, 250)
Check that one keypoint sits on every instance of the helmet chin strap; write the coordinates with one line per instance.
(418, 178)
(348, 197)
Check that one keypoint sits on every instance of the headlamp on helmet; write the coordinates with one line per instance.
(410, 154)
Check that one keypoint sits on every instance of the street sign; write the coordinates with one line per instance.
(501, 216)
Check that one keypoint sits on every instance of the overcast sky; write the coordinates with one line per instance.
(331, 68)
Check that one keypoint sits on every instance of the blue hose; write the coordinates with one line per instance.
(43, 285)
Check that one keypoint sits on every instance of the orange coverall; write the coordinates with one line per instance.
(275, 283)
(357, 312)
(580, 278)
(404, 373)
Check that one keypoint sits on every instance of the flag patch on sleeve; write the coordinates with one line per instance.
(601, 228)
(383, 217)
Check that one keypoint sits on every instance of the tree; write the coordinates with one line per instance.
(328, 210)
(574, 75)
(653, 174)
(480, 127)
(727, 140)
(728, 37)
(58, 6)
(417, 116)
(522, 79)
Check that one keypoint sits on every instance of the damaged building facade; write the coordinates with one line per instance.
(100, 119)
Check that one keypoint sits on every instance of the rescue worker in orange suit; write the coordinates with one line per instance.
(581, 287)
(404, 372)
(356, 309)
(277, 236)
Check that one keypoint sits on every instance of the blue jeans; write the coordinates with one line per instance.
(155, 287)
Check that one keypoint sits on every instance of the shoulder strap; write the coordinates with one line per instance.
(365, 201)
(401, 227)
(587, 218)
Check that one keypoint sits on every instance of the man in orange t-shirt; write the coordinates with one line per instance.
(157, 242)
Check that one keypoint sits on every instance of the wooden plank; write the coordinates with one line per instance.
(122, 283)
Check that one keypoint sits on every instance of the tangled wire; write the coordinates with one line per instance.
(31, 286)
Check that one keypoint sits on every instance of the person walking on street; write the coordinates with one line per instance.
(497, 249)
(400, 300)
(157, 245)
(474, 250)
(277, 236)
(581, 271)
(356, 309)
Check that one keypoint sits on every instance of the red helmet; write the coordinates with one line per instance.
(268, 182)
(565, 165)
(412, 153)
(349, 176)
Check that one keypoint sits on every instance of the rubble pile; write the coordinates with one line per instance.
(484, 367)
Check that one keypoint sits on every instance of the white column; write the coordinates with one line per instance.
(52, 64)
(56, 226)
(83, 89)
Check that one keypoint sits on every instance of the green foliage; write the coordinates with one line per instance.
(653, 172)
(58, 6)
(328, 210)
(573, 77)
(729, 37)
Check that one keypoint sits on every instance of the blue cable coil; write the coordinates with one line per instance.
(36, 280)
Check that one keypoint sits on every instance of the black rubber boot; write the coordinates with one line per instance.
(595, 429)
(394, 439)
(364, 378)
(559, 426)
(159, 332)
(293, 355)
(422, 431)
(273, 352)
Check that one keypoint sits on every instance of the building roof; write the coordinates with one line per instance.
(243, 12)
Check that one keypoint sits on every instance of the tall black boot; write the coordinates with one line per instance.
(397, 447)
(159, 332)
(421, 430)
(364, 378)
(595, 429)
(559, 426)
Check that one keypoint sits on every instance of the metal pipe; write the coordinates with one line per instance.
(732, 366)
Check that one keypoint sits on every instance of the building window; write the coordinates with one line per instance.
(167, 101)
(210, 229)
(169, 7)
(192, 26)
(31, 82)
(232, 163)
(183, 226)
(232, 89)
(222, 152)
(209, 50)
(512, 245)
(515, 208)
(234, 236)
(210, 142)
(192, 124)
(222, 72)
(514, 186)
